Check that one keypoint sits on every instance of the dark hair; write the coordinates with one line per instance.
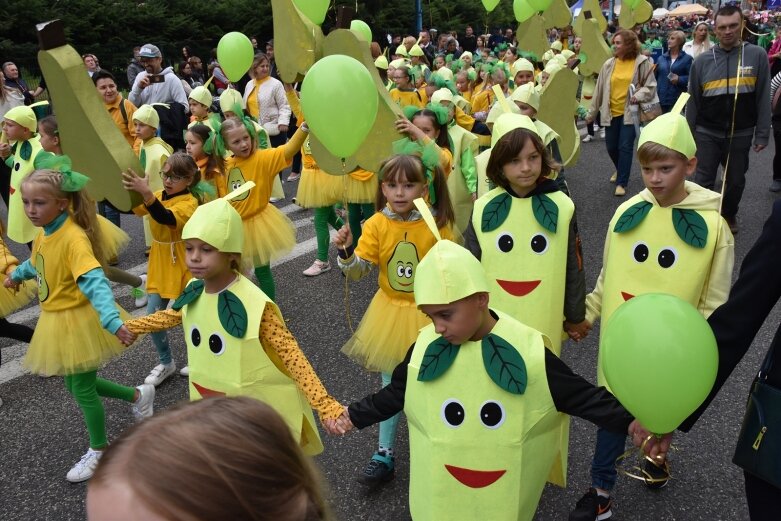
(49, 124)
(103, 74)
(728, 10)
(442, 137)
(508, 147)
(215, 165)
(240, 446)
(180, 68)
(412, 170)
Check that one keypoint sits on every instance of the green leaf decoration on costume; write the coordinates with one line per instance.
(546, 211)
(496, 212)
(232, 314)
(504, 364)
(690, 227)
(439, 356)
(142, 159)
(26, 151)
(190, 293)
(632, 217)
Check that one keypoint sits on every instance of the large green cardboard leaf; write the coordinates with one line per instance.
(546, 212)
(439, 356)
(496, 212)
(632, 217)
(232, 314)
(190, 293)
(690, 227)
(504, 364)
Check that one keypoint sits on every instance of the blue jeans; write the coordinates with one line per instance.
(620, 141)
(389, 426)
(610, 445)
(160, 340)
(109, 212)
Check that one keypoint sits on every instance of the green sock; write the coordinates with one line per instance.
(266, 281)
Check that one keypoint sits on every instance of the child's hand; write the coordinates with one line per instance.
(339, 426)
(654, 447)
(405, 126)
(5, 150)
(579, 331)
(474, 197)
(343, 238)
(11, 283)
(132, 181)
(125, 336)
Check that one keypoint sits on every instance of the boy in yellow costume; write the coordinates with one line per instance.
(669, 238)
(237, 341)
(482, 411)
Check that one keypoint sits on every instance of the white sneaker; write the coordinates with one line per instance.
(318, 267)
(587, 138)
(602, 133)
(144, 406)
(185, 371)
(274, 199)
(160, 373)
(85, 468)
(139, 293)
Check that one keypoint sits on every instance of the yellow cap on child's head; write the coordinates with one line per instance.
(671, 130)
(527, 93)
(218, 223)
(147, 115)
(401, 50)
(229, 99)
(381, 62)
(201, 95)
(416, 50)
(522, 64)
(448, 273)
(23, 116)
(441, 95)
(509, 122)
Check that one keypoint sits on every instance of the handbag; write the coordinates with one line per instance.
(651, 110)
(758, 451)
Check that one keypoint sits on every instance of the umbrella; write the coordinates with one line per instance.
(685, 10)
(660, 13)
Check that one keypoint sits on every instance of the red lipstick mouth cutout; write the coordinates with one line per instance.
(475, 478)
(205, 392)
(518, 288)
(626, 295)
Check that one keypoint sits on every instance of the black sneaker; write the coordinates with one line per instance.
(379, 470)
(592, 507)
(656, 476)
(776, 185)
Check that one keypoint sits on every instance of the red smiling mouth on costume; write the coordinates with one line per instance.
(475, 478)
(518, 288)
(206, 392)
(626, 295)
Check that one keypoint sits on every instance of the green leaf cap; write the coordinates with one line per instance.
(546, 212)
(232, 314)
(439, 356)
(190, 293)
(496, 212)
(632, 217)
(447, 273)
(671, 130)
(690, 227)
(504, 364)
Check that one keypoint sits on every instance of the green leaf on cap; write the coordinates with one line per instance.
(496, 212)
(439, 356)
(504, 364)
(690, 227)
(232, 314)
(632, 217)
(190, 293)
(546, 211)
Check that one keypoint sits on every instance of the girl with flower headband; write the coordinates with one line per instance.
(268, 233)
(211, 166)
(406, 92)
(394, 239)
(80, 327)
(168, 210)
(423, 127)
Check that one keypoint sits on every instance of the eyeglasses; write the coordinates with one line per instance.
(173, 178)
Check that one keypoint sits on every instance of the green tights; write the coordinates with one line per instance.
(356, 213)
(323, 217)
(266, 281)
(87, 389)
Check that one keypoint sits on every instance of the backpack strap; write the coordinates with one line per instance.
(123, 110)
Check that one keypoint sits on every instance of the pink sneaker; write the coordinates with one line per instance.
(318, 267)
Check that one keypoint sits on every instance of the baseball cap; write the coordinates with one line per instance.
(150, 51)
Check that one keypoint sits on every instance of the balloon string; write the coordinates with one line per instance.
(346, 207)
(636, 471)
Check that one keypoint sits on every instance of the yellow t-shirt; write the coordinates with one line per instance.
(261, 167)
(252, 101)
(60, 259)
(482, 101)
(412, 97)
(619, 85)
(396, 248)
(167, 272)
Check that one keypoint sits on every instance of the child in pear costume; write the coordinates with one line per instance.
(481, 393)
(394, 240)
(237, 341)
(524, 233)
(669, 238)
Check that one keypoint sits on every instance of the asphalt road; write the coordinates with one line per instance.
(42, 433)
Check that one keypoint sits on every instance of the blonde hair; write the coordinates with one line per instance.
(678, 35)
(240, 446)
(233, 123)
(81, 207)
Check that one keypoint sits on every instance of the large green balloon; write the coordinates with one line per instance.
(490, 5)
(659, 357)
(359, 27)
(339, 101)
(540, 5)
(523, 10)
(631, 3)
(235, 54)
(313, 9)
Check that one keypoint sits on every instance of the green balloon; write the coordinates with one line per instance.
(540, 5)
(315, 10)
(523, 10)
(235, 54)
(659, 357)
(360, 27)
(490, 5)
(339, 100)
(631, 3)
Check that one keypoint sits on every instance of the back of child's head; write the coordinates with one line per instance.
(409, 168)
(219, 458)
(509, 146)
(49, 125)
(215, 165)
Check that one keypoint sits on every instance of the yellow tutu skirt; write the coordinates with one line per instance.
(317, 189)
(268, 235)
(11, 300)
(115, 240)
(71, 341)
(387, 330)
(361, 192)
